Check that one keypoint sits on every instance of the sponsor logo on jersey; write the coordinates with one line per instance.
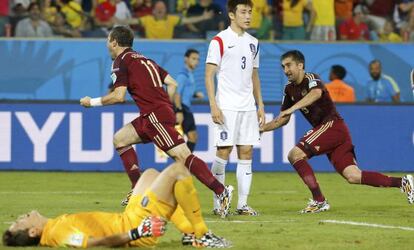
(304, 92)
(231, 46)
(317, 148)
(223, 135)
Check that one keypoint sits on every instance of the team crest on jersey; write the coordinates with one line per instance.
(144, 201)
(253, 48)
(304, 92)
(223, 135)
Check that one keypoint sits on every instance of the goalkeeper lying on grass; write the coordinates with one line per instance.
(169, 194)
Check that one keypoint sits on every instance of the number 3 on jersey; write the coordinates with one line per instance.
(153, 71)
(243, 61)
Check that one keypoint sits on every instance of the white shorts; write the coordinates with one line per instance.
(239, 128)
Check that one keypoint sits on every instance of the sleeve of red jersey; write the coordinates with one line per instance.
(120, 75)
(314, 81)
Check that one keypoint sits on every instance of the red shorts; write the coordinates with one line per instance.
(331, 138)
(158, 127)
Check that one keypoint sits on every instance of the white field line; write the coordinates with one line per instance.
(363, 224)
(253, 222)
(57, 192)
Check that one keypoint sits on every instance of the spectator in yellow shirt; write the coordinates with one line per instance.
(170, 194)
(293, 25)
(337, 88)
(160, 25)
(387, 34)
(72, 11)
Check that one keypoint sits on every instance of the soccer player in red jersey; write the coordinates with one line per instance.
(144, 81)
(329, 135)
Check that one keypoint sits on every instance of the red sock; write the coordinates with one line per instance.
(130, 160)
(200, 170)
(306, 173)
(376, 179)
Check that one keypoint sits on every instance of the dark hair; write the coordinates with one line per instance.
(232, 4)
(32, 5)
(296, 56)
(123, 35)
(191, 51)
(339, 71)
(293, 3)
(375, 61)
(19, 239)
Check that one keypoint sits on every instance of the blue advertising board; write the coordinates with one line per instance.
(68, 137)
(71, 69)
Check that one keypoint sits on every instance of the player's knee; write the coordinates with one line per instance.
(178, 169)
(353, 178)
(117, 141)
(295, 154)
(150, 173)
(245, 152)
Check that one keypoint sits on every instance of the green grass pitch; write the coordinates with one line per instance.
(277, 196)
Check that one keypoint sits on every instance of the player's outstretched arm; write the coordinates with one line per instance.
(307, 100)
(149, 227)
(275, 123)
(116, 96)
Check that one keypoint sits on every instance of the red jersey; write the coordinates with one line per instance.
(354, 31)
(143, 78)
(319, 112)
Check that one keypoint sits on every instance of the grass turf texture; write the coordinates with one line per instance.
(277, 196)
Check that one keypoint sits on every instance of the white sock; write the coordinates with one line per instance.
(218, 169)
(244, 181)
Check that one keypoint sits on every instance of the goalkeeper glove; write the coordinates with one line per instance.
(150, 227)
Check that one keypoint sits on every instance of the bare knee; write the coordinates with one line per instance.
(352, 174)
(150, 173)
(245, 152)
(177, 170)
(179, 153)
(224, 152)
(119, 142)
(296, 154)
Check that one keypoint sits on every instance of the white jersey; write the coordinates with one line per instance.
(235, 56)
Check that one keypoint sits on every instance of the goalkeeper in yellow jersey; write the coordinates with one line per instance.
(157, 197)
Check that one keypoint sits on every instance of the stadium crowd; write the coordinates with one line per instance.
(316, 20)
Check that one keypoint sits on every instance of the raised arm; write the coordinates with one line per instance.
(205, 16)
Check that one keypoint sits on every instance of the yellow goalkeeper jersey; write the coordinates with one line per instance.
(74, 230)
